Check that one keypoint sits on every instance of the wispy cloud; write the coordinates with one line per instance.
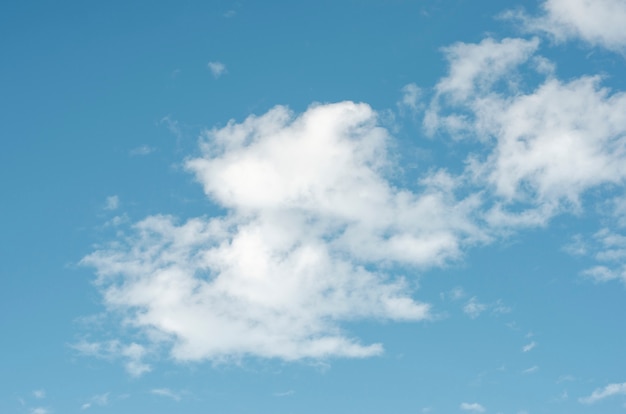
(411, 99)
(99, 400)
(133, 354)
(217, 68)
(142, 150)
(531, 370)
(529, 347)
(39, 394)
(602, 393)
(166, 392)
(284, 393)
(473, 407)
(112, 203)
(473, 308)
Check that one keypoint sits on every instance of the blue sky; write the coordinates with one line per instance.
(302, 207)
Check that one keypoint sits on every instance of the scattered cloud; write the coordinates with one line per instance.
(99, 400)
(39, 410)
(112, 203)
(142, 150)
(524, 169)
(473, 407)
(217, 69)
(133, 354)
(284, 393)
(531, 370)
(565, 378)
(411, 96)
(529, 347)
(39, 394)
(602, 393)
(596, 22)
(473, 308)
(166, 392)
(608, 248)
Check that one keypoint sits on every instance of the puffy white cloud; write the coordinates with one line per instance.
(602, 393)
(597, 22)
(312, 224)
(474, 407)
(217, 68)
(544, 148)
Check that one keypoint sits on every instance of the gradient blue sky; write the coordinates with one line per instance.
(374, 206)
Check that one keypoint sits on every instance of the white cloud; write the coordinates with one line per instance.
(602, 393)
(39, 410)
(411, 95)
(531, 370)
(608, 248)
(166, 392)
(597, 22)
(133, 354)
(99, 399)
(284, 393)
(473, 308)
(217, 69)
(525, 167)
(309, 208)
(474, 407)
(39, 394)
(112, 203)
(142, 150)
(529, 347)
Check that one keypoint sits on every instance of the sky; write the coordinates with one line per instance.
(374, 206)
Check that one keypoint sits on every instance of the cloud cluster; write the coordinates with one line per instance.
(544, 147)
(315, 229)
(312, 224)
(596, 22)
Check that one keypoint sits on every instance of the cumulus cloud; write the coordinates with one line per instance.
(217, 68)
(312, 224)
(602, 393)
(525, 165)
(597, 22)
(473, 407)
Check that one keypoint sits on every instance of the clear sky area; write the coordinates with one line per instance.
(304, 207)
